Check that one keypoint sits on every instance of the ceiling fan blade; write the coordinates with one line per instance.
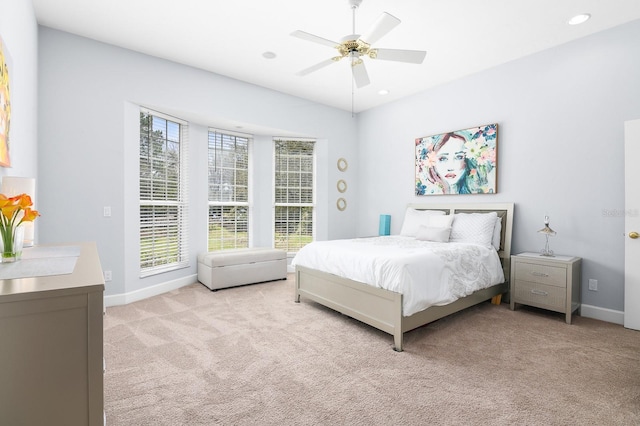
(381, 27)
(360, 75)
(314, 38)
(399, 55)
(318, 66)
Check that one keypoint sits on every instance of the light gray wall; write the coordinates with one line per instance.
(560, 116)
(89, 97)
(19, 32)
(560, 146)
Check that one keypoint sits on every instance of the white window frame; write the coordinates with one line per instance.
(167, 257)
(291, 249)
(234, 203)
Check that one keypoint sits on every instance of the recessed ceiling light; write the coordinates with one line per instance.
(383, 92)
(579, 19)
(269, 55)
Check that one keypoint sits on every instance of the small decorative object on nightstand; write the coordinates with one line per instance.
(547, 233)
(545, 282)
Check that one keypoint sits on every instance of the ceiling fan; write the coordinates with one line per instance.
(356, 46)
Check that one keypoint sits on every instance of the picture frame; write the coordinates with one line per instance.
(458, 162)
(5, 105)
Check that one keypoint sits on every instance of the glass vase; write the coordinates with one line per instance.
(12, 246)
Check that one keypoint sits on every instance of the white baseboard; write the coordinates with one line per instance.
(587, 311)
(602, 314)
(144, 293)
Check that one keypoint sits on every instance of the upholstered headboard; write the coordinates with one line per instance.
(504, 211)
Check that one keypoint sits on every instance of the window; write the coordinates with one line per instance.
(294, 200)
(228, 191)
(163, 194)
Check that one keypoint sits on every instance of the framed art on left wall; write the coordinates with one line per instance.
(5, 105)
(458, 162)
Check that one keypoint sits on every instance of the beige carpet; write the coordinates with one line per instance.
(251, 356)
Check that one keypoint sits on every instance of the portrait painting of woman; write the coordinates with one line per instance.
(459, 162)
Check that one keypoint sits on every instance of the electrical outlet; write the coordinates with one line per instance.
(107, 275)
(106, 212)
(593, 285)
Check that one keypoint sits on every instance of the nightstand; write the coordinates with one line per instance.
(546, 282)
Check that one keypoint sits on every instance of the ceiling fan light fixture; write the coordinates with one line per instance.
(579, 19)
(355, 47)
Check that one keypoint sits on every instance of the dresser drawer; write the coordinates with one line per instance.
(541, 295)
(543, 274)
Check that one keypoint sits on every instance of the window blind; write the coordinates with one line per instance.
(164, 243)
(293, 193)
(228, 190)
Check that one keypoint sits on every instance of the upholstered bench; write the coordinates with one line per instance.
(234, 267)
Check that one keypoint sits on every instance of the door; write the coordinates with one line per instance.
(632, 225)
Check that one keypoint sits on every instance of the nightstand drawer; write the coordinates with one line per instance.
(541, 295)
(543, 274)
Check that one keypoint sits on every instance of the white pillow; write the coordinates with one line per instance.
(474, 228)
(497, 231)
(440, 221)
(413, 219)
(432, 233)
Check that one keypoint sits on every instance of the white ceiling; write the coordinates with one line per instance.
(228, 37)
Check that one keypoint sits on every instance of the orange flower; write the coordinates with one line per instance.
(4, 200)
(10, 210)
(11, 218)
(29, 215)
(24, 201)
(11, 206)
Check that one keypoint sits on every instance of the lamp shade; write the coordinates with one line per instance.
(12, 186)
(546, 229)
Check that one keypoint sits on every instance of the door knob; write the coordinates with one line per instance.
(634, 235)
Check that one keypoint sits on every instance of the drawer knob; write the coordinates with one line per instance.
(539, 292)
(539, 274)
(634, 235)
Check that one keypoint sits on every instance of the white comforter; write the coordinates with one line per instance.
(425, 273)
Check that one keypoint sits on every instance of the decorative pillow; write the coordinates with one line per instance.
(474, 228)
(413, 219)
(432, 233)
(440, 221)
(497, 231)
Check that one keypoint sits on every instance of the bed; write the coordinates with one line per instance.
(384, 309)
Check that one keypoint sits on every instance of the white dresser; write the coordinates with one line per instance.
(51, 365)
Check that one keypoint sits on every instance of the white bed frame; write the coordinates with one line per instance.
(381, 308)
